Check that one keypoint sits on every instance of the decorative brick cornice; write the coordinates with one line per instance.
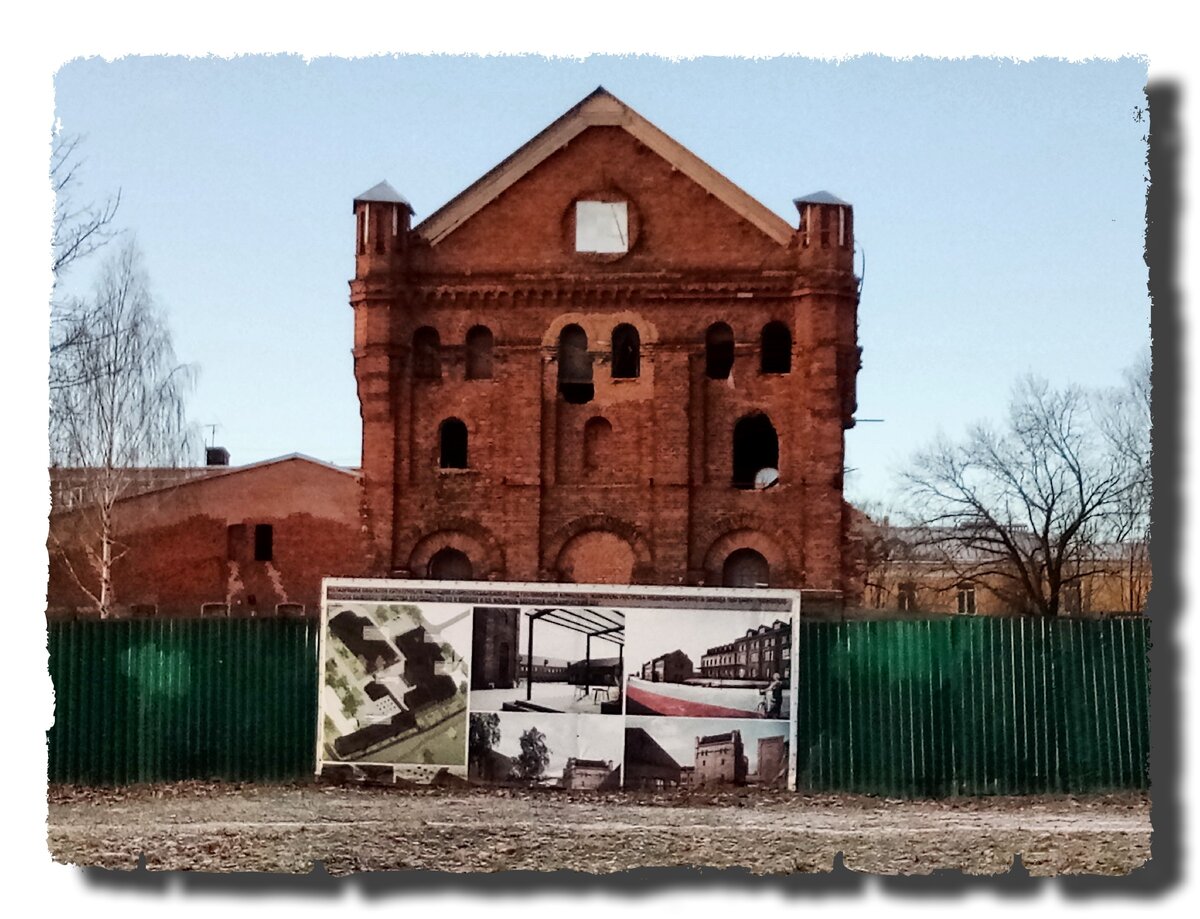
(600, 291)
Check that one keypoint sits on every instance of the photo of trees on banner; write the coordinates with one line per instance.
(541, 685)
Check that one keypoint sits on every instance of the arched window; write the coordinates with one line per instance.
(745, 568)
(452, 444)
(755, 452)
(479, 353)
(718, 351)
(597, 435)
(451, 565)
(626, 352)
(776, 348)
(574, 366)
(427, 354)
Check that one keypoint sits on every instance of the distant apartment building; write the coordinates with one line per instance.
(543, 669)
(672, 667)
(757, 655)
(916, 572)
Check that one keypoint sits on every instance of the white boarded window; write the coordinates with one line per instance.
(601, 226)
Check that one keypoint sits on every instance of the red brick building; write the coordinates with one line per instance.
(605, 362)
(221, 540)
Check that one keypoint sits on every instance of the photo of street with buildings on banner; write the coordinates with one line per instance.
(665, 753)
(394, 686)
(724, 664)
(548, 659)
(577, 752)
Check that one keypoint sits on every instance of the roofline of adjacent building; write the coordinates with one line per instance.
(214, 472)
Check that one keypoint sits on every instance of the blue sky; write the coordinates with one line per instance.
(999, 210)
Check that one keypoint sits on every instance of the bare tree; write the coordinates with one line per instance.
(79, 229)
(121, 406)
(1125, 422)
(1019, 510)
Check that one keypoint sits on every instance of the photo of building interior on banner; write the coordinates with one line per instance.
(548, 659)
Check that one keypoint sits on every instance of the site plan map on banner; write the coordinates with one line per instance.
(553, 685)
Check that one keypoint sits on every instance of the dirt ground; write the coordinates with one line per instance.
(285, 828)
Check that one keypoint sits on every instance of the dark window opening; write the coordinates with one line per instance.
(755, 453)
(824, 228)
(210, 610)
(451, 565)
(776, 348)
(907, 596)
(452, 444)
(362, 233)
(427, 354)
(289, 610)
(626, 352)
(966, 598)
(575, 366)
(479, 353)
(597, 434)
(264, 542)
(718, 351)
(379, 217)
(745, 568)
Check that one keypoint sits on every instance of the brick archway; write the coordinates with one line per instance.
(473, 540)
(559, 549)
(783, 571)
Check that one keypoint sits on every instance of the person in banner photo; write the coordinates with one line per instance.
(775, 697)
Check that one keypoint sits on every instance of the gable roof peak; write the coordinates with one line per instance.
(598, 108)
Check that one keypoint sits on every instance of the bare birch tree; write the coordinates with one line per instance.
(120, 406)
(1020, 509)
(80, 228)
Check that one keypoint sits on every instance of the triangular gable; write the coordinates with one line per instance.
(599, 108)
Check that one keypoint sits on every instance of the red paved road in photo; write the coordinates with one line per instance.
(665, 705)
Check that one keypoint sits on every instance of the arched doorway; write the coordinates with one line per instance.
(451, 565)
(745, 568)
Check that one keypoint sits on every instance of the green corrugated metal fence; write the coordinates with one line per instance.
(973, 705)
(953, 706)
(159, 700)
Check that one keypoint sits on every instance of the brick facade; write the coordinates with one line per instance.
(199, 547)
(473, 321)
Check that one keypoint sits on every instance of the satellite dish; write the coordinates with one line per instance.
(765, 478)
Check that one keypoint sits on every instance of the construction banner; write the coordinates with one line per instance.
(557, 685)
